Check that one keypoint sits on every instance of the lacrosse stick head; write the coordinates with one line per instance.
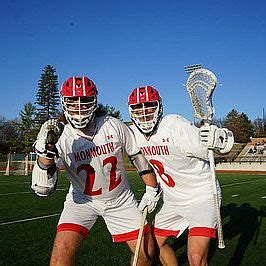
(200, 86)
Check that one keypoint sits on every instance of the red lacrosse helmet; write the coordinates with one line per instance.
(79, 100)
(145, 108)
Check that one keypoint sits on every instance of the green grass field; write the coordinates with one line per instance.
(28, 224)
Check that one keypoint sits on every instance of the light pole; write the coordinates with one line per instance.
(191, 68)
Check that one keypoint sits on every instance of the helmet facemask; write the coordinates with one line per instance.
(146, 115)
(145, 108)
(79, 111)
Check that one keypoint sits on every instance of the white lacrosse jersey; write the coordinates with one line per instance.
(95, 167)
(180, 161)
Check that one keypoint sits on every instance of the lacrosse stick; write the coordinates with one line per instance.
(200, 86)
(142, 223)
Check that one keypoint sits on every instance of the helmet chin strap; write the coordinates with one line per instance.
(88, 131)
(76, 126)
(89, 128)
(153, 131)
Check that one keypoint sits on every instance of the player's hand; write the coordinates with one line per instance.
(150, 198)
(215, 138)
(48, 136)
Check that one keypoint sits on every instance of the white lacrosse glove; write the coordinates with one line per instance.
(44, 181)
(48, 136)
(215, 138)
(150, 198)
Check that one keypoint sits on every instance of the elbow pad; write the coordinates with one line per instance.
(44, 179)
(142, 165)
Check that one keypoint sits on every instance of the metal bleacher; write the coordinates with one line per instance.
(232, 155)
(242, 152)
(252, 154)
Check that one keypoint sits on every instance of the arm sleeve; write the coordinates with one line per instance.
(142, 165)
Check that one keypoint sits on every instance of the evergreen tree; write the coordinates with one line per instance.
(27, 127)
(47, 97)
(110, 110)
(247, 129)
(240, 125)
(230, 121)
(9, 135)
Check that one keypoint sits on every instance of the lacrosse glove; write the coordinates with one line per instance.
(150, 198)
(215, 138)
(48, 136)
(44, 179)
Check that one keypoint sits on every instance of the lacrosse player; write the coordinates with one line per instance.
(178, 152)
(90, 147)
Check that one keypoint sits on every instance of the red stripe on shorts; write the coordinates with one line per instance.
(130, 235)
(165, 232)
(202, 231)
(73, 227)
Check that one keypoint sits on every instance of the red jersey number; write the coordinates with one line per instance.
(167, 179)
(114, 182)
(90, 176)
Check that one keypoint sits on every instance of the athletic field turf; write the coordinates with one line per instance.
(28, 223)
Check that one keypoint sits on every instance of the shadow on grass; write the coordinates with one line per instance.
(244, 221)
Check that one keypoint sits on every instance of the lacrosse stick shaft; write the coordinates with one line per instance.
(142, 223)
(216, 202)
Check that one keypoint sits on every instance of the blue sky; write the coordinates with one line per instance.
(124, 44)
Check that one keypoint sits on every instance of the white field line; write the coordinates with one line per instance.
(26, 192)
(56, 214)
(241, 183)
(228, 185)
(13, 183)
(15, 193)
(30, 219)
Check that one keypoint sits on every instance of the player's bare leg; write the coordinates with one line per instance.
(66, 245)
(166, 253)
(198, 247)
(146, 252)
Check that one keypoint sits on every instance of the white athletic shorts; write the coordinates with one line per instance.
(121, 216)
(197, 214)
